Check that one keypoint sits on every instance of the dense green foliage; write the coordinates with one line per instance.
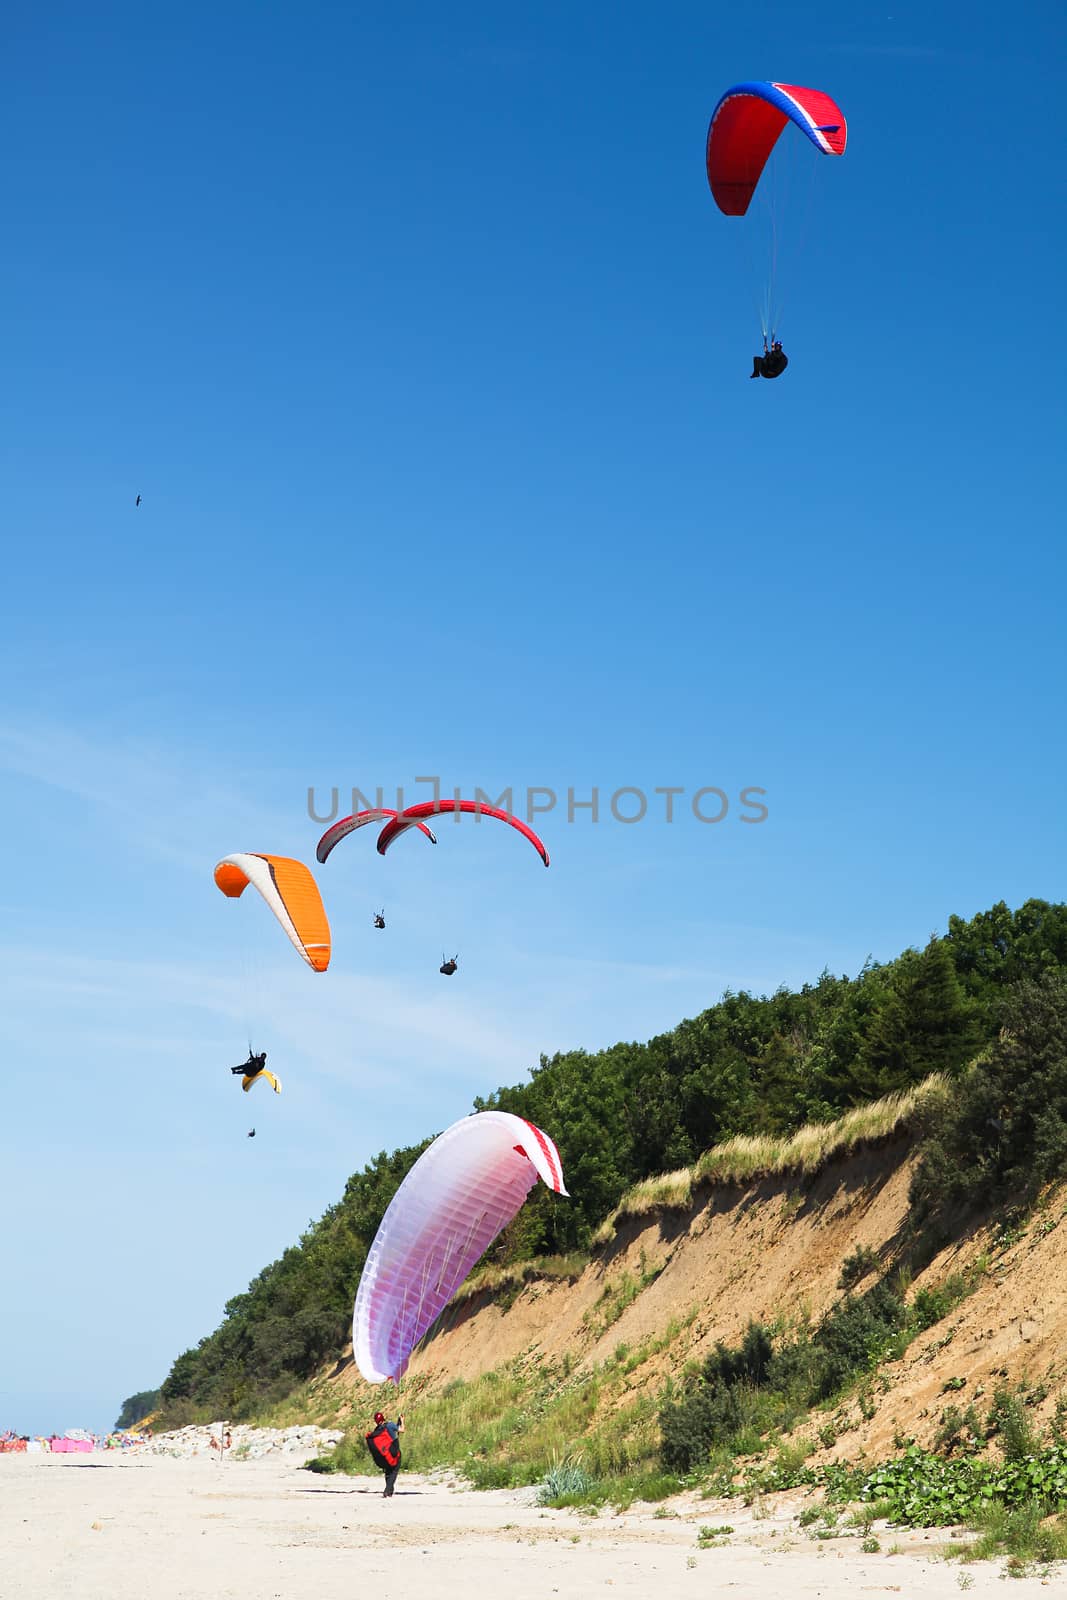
(920, 1488)
(747, 1065)
(763, 1387)
(136, 1407)
(767, 1065)
(923, 1490)
(742, 1395)
(1003, 1135)
(1005, 1497)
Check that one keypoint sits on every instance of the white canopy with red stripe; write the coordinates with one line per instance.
(457, 1197)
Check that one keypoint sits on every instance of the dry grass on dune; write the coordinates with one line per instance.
(745, 1159)
(516, 1274)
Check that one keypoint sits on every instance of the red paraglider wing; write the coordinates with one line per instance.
(411, 818)
(341, 830)
(745, 126)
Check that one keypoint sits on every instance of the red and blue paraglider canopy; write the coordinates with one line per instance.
(744, 129)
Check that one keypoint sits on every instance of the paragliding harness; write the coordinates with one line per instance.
(252, 1067)
(383, 1447)
(772, 363)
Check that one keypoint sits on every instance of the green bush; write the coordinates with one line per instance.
(959, 1429)
(743, 1394)
(1008, 1419)
(563, 1480)
(856, 1266)
(724, 1407)
(854, 1336)
(1022, 1534)
(930, 1305)
(489, 1474)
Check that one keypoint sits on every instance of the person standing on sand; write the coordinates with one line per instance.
(383, 1442)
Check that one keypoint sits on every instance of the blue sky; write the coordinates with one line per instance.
(427, 349)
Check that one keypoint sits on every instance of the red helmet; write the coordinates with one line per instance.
(379, 1416)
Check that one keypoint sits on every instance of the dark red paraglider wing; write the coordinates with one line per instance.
(341, 830)
(412, 818)
(745, 126)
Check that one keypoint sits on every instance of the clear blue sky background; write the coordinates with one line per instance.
(421, 337)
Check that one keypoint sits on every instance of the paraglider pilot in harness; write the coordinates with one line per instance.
(252, 1067)
(383, 1442)
(772, 363)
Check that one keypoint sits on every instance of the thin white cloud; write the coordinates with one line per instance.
(317, 1017)
(165, 803)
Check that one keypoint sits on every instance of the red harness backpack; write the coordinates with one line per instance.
(383, 1447)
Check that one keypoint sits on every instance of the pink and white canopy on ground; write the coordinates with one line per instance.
(457, 1197)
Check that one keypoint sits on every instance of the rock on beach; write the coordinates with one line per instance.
(296, 1444)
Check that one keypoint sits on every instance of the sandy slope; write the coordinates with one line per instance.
(775, 1249)
(130, 1526)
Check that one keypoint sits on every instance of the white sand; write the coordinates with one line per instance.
(123, 1527)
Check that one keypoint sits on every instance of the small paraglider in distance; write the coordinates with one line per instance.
(772, 363)
(379, 918)
(137, 502)
(448, 967)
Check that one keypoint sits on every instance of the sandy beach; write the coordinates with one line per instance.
(124, 1525)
